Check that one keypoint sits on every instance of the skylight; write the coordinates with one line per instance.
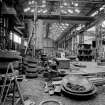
(56, 29)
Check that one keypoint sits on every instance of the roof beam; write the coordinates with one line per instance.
(89, 1)
(62, 18)
(66, 18)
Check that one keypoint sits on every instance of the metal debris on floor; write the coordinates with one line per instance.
(29, 102)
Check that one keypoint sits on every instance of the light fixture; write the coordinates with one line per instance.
(63, 29)
(43, 5)
(67, 24)
(65, 4)
(43, 1)
(76, 4)
(45, 11)
(32, 2)
(27, 9)
(40, 10)
(70, 11)
(32, 10)
(83, 25)
(61, 6)
(63, 11)
(77, 10)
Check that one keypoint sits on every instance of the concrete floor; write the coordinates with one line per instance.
(34, 89)
(91, 67)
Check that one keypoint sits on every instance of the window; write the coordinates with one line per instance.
(15, 38)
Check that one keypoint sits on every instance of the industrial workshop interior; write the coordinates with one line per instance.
(52, 52)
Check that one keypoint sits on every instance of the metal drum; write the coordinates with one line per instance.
(31, 75)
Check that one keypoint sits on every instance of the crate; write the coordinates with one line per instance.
(63, 63)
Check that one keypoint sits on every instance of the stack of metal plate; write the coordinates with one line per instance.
(31, 67)
(76, 85)
(9, 56)
(31, 70)
(4, 65)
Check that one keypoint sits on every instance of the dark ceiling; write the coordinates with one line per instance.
(86, 6)
(77, 8)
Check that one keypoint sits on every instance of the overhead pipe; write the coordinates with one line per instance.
(88, 1)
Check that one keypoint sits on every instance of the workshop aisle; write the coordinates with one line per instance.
(92, 67)
(35, 89)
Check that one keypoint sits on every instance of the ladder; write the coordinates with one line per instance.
(12, 82)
